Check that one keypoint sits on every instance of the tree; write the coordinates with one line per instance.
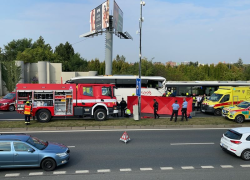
(65, 52)
(11, 74)
(77, 63)
(12, 48)
(239, 63)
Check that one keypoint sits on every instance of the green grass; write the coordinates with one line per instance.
(121, 122)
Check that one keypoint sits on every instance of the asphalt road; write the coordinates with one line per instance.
(151, 154)
(14, 116)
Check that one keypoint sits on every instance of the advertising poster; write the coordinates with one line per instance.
(105, 15)
(118, 18)
(92, 20)
(98, 18)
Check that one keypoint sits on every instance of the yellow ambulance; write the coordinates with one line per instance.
(238, 113)
(225, 96)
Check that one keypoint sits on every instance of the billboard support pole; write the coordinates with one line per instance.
(109, 47)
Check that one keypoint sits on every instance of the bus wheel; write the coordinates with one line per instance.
(239, 119)
(43, 116)
(217, 112)
(100, 115)
(12, 108)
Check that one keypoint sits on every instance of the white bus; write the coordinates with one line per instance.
(180, 88)
(126, 85)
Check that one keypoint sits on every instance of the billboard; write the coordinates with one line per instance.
(99, 17)
(117, 18)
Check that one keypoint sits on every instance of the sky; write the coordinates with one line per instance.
(207, 31)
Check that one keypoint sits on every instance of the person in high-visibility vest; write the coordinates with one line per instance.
(194, 102)
(27, 112)
(127, 113)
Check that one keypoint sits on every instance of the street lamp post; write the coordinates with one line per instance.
(140, 22)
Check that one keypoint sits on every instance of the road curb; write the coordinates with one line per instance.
(118, 127)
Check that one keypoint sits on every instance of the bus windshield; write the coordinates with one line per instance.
(215, 97)
(243, 105)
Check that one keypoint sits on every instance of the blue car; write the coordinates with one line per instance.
(22, 150)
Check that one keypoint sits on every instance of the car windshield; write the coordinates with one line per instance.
(215, 97)
(38, 143)
(243, 105)
(231, 134)
(9, 96)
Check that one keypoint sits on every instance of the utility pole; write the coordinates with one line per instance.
(140, 22)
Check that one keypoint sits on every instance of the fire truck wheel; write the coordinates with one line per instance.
(100, 115)
(43, 116)
(12, 108)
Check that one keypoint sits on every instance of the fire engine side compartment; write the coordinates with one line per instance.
(34, 92)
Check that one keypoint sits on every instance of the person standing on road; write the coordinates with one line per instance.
(156, 108)
(199, 102)
(27, 112)
(123, 105)
(194, 102)
(184, 109)
(175, 110)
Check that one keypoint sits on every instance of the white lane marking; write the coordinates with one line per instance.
(187, 167)
(207, 167)
(36, 173)
(12, 175)
(103, 170)
(82, 171)
(125, 170)
(146, 169)
(226, 166)
(246, 165)
(177, 144)
(59, 172)
(167, 168)
(71, 146)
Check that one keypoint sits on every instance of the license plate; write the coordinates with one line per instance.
(202, 110)
(225, 146)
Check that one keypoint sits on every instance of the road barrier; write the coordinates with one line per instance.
(165, 104)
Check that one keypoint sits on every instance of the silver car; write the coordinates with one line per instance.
(22, 150)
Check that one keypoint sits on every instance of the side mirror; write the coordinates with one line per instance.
(31, 150)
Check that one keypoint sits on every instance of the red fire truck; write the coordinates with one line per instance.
(51, 100)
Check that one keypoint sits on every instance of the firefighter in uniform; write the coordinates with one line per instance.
(194, 102)
(27, 112)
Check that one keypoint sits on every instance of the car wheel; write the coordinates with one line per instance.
(48, 164)
(43, 115)
(246, 155)
(12, 108)
(239, 119)
(217, 112)
(100, 115)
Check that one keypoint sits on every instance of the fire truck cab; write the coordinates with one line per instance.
(80, 100)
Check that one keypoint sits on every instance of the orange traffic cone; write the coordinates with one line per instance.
(125, 137)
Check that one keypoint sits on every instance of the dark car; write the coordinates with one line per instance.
(22, 150)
